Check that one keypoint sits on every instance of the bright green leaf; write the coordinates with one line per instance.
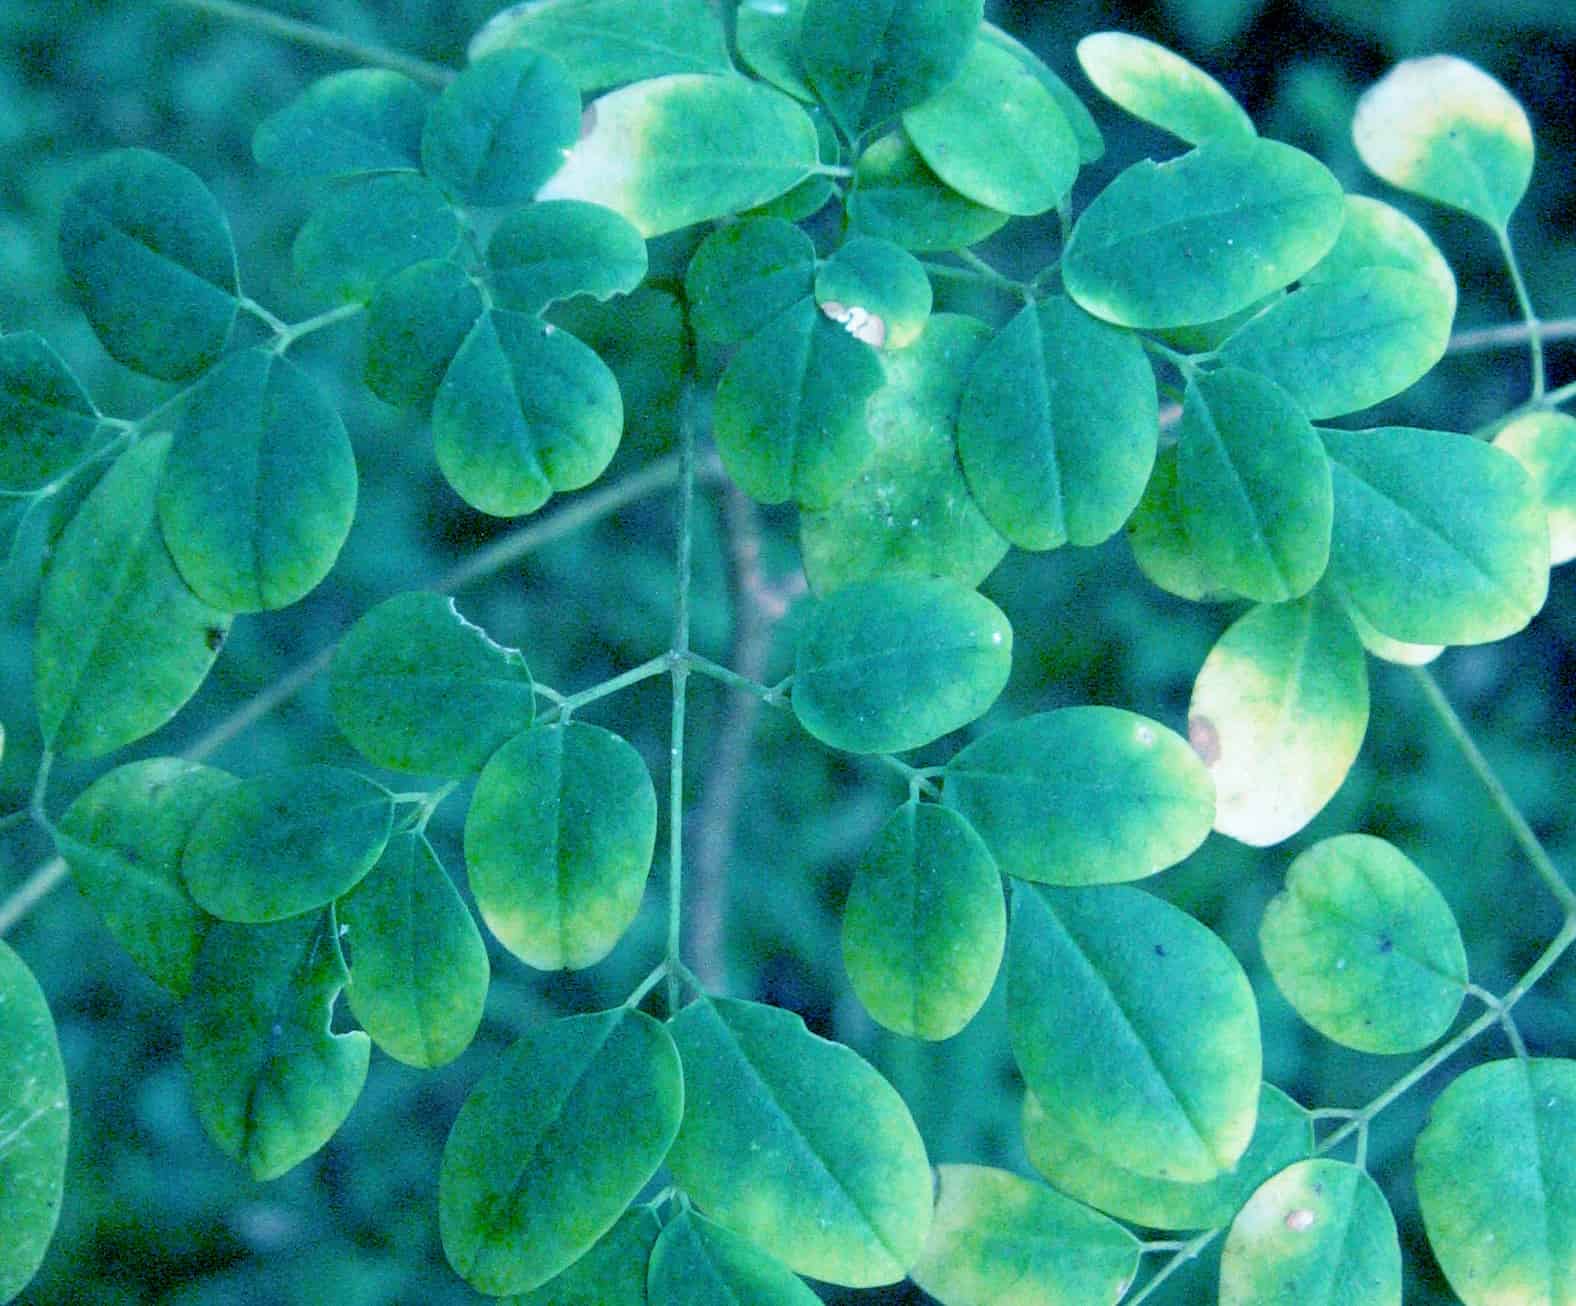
(890, 664)
(150, 259)
(1083, 795)
(369, 229)
(560, 248)
(416, 322)
(1390, 650)
(259, 488)
(1091, 145)
(745, 274)
(876, 291)
(1158, 537)
(270, 1078)
(1138, 1024)
(1318, 1227)
(798, 1145)
(121, 643)
(1001, 1240)
(553, 1143)
(768, 34)
(699, 1263)
(1365, 948)
(123, 838)
(1377, 235)
(1203, 235)
(47, 422)
(1279, 710)
(1164, 89)
(898, 198)
(285, 843)
(612, 1273)
(1253, 484)
(363, 120)
(1545, 444)
(558, 842)
(416, 687)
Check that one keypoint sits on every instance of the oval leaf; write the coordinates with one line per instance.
(612, 1273)
(1203, 235)
(557, 249)
(558, 842)
(798, 1145)
(1545, 444)
(1163, 88)
(553, 1143)
(698, 1263)
(363, 120)
(1391, 650)
(1091, 145)
(1139, 1024)
(270, 1078)
(1083, 795)
(1157, 534)
(368, 230)
(1007, 1241)
(1377, 235)
(1279, 710)
(876, 291)
(282, 844)
(416, 687)
(416, 322)
(768, 36)
(745, 274)
(897, 197)
(888, 665)
(47, 421)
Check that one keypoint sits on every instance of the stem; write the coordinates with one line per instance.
(645, 671)
(1554, 398)
(1510, 335)
(989, 274)
(917, 777)
(288, 335)
(680, 661)
(1534, 327)
(35, 805)
(1506, 1020)
(774, 696)
(321, 38)
(14, 818)
(1188, 1251)
(33, 890)
(658, 973)
(1187, 364)
(275, 324)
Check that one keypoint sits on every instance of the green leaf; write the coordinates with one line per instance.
(1082, 795)
(34, 1124)
(612, 1273)
(363, 120)
(558, 842)
(699, 1263)
(798, 1145)
(416, 687)
(285, 843)
(1317, 1222)
(909, 511)
(924, 925)
(996, 135)
(1254, 486)
(1091, 145)
(560, 248)
(1391, 650)
(897, 197)
(602, 43)
(1545, 444)
(121, 643)
(1442, 128)
(150, 259)
(418, 975)
(1158, 537)
(270, 1079)
(869, 62)
(1279, 710)
(1496, 1178)
(259, 488)
(369, 229)
(1283, 1134)
(47, 422)
(525, 409)
(645, 342)
(1206, 337)
(1365, 948)
(1138, 1024)
(1438, 538)
(889, 664)
(416, 322)
(1338, 346)
(687, 148)
(876, 291)
(789, 416)
(1058, 427)
(769, 33)
(553, 1143)
(123, 838)
(1000, 1239)
(502, 127)
(745, 274)
(1376, 235)
(1203, 235)
(1164, 89)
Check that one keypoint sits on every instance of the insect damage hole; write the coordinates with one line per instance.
(1300, 1220)
(860, 323)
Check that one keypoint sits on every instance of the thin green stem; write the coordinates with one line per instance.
(285, 336)
(917, 777)
(1510, 335)
(1191, 1248)
(991, 275)
(36, 802)
(656, 666)
(1187, 364)
(1161, 1245)
(1506, 1020)
(775, 695)
(1360, 1155)
(270, 320)
(680, 666)
(1554, 398)
(548, 692)
(658, 974)
(831, 170)
(321, 38)
(1524, 301)
(954, 273)
(14, 818)
(1041, 281)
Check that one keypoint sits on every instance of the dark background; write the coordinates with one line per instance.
(154, 1213)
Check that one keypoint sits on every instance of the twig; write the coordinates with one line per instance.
(1510, 335)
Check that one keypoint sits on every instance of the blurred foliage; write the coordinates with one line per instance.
(155, 1214)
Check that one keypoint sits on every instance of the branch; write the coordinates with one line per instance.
(1511, 335)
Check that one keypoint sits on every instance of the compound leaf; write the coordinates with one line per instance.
(798, 1145)
(897, 197)
(1001, 1239)
(418, 973)
(612, 1273)
(1284, 693)
(745, 274)
(553, 1143)
(1377, 235)
(699, 1263)
(1203, 235)
(768, 35)
(47, 422)
(270, 1078)
(416, 322)
(1136, 1026)
(1157, 534)
(151, 261)
(121, 642)
(1082, 795)
(259, 489)
(363, 120)
(1164, 89)
(889, 664)
(369, 229)
(560, 248)
(1365, 948)
(282, 844)
(123, 838)
(1545, 444)
(876, 291)
(416, 687)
